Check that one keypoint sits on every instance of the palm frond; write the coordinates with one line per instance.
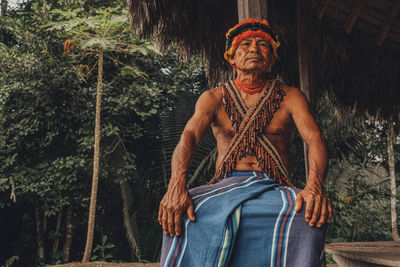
(205, 169)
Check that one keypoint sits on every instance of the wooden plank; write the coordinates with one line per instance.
(386, 25)
(374, 244)
(381, 259)
(352, 18)
(256, 9)
(384, 253)
(346, 262)
(321, 9)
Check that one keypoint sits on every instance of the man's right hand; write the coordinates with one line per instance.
(172, 206)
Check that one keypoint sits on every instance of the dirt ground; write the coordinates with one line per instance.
(132, 264)
(106, 264)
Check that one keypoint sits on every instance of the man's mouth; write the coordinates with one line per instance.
(254, 58)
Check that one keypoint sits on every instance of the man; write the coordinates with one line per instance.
(249, 214)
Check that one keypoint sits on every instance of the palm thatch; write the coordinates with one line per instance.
(353, 66)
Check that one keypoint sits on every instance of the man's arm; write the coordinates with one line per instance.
(319, 209)
(177, 200)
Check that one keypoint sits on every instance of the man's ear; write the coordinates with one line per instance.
(272, 60)
(231, 60)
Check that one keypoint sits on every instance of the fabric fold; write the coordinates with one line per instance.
(244, 220)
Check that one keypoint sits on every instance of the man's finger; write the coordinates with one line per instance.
(299, 202)
(309, 209)
(164, 221)
(178, 223)
(329, 210)
(171, 223)
(160, 214)
(191, 213)
(316, 211)
(324, 213)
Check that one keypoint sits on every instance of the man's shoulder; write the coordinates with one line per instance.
(289, 89)
(214, 95)
(210, 99)
(292, 94)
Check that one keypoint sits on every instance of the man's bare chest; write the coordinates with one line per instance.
(281, 124)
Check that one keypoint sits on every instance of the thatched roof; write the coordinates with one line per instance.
(353, 66)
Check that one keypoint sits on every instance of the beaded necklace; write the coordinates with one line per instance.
(250, 88)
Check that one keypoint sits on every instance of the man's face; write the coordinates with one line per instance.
(252, 54)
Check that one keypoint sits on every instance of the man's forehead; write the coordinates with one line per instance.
(257, 38)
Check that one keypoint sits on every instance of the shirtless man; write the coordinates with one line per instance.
(251, 59)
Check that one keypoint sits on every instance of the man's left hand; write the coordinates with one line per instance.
(318, 208)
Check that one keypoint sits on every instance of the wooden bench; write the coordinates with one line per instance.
(365, 254)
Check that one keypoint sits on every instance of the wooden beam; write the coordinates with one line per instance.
(322, 8)
(366, 23)
(256, 9)
(352, 18)
(305, 50)
(372, 15)
(386, 24)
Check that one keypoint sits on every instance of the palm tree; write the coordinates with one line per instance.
(390, 139)
(106, 31)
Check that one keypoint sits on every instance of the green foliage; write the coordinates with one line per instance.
(105, 29)
(46, 124)
(161, 134)
(46, 136)
(100, 252)
(357, 181)
(10, 261)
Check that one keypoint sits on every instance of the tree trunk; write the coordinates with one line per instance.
(57, 234)
(39, 232)
(390, 140)
(305, 50)
(3, 7)
(96, 157)
(69, 231)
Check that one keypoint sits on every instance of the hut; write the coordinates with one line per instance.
(350, 48)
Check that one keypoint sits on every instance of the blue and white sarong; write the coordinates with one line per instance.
(245, 220)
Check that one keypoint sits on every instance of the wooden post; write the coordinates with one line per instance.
(256, 9)
(304, 43)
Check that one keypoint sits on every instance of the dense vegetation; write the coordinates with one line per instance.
(47, 110)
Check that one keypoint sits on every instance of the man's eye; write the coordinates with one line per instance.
(245, 43)
(262, 44)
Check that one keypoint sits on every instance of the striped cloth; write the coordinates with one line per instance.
(246, 220)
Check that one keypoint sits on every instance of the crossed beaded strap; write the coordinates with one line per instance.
(262, 139)
(246, 123)
(254, 144)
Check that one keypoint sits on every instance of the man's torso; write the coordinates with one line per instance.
(279, 131)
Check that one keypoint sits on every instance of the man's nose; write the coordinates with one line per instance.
(253, 47)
